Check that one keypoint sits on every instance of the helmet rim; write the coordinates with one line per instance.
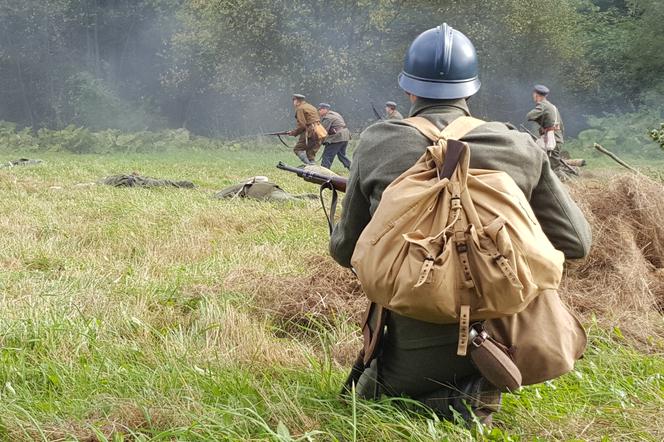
(439, 89)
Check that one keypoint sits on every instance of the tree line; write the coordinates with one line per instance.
(228, 67)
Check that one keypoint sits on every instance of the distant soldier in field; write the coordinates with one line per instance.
(546, 115)
(391, 112)
(337, 138)
(309, 129)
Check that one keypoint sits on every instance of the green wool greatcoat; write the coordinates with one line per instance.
(546, 115)
(419, 356)
(394, 115)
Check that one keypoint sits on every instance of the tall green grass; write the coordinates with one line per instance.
(117, 322)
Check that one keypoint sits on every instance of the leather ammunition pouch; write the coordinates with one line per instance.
(493, 360)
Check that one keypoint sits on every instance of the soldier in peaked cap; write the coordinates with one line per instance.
(391, 112)
(546, 115)
(337, 138)
(308, 128)
(419, 359)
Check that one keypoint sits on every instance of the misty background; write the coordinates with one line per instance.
(227, 68)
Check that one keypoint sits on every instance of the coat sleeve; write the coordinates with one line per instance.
(560, 217)
(354, 218)
(327, 123)
(536, 113)
(301, 122)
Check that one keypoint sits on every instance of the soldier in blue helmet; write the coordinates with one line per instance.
(419, 359)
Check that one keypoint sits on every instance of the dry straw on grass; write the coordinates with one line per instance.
(328, 292)
(621, 282)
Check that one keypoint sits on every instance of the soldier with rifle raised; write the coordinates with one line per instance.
(309, 129)
(416, 358)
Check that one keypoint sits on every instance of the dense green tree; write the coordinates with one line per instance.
(228, 67)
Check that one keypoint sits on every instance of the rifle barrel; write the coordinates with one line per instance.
(339, 183)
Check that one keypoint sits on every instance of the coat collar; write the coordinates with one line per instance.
(428, 106)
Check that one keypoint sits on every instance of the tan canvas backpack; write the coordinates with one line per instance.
(449, 244)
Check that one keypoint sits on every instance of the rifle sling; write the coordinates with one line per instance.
(283, 142)
(333, 204)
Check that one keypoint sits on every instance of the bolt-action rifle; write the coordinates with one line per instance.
(379, 117)
(562, 161)
(283, 132)
(278, 135)
(337, 183)
(334, 183)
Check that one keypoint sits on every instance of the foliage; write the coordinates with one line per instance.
(81, 140)
(658, 135)
(623, 132)
(95, 105)
(228, 67)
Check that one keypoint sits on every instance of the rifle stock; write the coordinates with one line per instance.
(337, 182)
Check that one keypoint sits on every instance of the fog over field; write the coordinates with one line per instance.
(227, 68)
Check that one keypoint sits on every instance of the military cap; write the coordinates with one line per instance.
(300, 96)
(391, 104)
(324, 106)
(541, 89)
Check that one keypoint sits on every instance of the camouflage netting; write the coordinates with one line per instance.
(621, 282)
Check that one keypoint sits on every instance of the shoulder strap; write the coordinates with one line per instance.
(455, 130)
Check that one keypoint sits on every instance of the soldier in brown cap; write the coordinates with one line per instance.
(337, 139)
(391, 112)
(309, 129)
(546, 115)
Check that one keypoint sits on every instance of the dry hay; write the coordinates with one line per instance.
(328, 293)
(622, 280)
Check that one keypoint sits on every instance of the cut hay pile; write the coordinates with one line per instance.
(328, 293)
(621, 282)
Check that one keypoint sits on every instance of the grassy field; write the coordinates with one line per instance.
(121, 321)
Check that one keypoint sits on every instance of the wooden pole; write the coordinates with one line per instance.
(615, 158)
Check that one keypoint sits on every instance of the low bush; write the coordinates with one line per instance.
(81, 140)
(624, 133)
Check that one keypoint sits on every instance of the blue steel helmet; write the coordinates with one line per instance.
(441, 64)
